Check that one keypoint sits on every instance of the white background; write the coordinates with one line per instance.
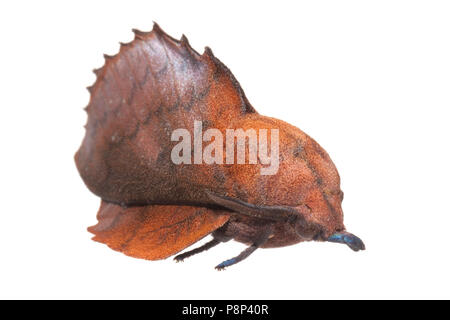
(369, 80)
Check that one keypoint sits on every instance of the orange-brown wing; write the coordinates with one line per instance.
(154, 232)
(154, 85)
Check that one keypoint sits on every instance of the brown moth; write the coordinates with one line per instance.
(153, 208)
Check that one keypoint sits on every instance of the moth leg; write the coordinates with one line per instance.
(271, 213)
(202, 248)
(244, 254)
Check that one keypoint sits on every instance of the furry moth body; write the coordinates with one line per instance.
(153, 208)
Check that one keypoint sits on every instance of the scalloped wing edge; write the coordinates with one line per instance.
(184, 43)
(154, 232)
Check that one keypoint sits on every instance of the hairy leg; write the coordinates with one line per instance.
(202, 248)
(264, 236)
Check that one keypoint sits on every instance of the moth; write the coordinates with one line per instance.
(153, 208)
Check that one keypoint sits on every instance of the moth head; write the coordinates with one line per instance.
(322, 220)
